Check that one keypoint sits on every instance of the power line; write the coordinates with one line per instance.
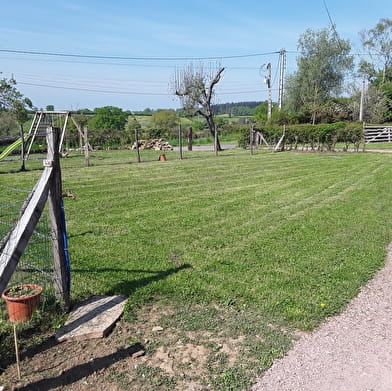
(92, 90)
(73, 55)
(333, 26)
(125, 92)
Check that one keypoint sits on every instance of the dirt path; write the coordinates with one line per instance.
(349, 352)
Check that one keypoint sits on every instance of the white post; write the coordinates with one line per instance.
(282, 60)
(362, 99)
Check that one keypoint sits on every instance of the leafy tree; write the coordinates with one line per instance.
(21, 114)
(109, 118)
(260, 112)
(132, 126)
(7, 123)
(13, 101)
(107, 125)
(8, 94)
(165, 121)
(322, 64)
(194, 85)
(378, 42)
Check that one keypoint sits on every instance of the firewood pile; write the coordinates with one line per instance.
(156, 144)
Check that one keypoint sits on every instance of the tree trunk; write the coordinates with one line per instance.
(211, 126)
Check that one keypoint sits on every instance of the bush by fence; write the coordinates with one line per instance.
(316, 137)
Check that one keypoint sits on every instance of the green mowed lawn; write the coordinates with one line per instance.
(290, 237)
(282, 233)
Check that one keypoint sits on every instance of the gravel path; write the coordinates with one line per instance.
(349, 352)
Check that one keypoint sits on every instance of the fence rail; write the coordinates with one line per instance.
(377, 134)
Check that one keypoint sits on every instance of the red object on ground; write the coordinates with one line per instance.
(21, 308)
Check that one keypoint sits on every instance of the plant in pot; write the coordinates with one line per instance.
(22, 300)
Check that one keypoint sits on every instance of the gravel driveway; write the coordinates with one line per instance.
(349, 352)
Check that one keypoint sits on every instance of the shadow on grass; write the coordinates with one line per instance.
(129, 286)
(82, 370)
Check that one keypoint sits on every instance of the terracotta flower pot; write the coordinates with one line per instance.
(20, 308)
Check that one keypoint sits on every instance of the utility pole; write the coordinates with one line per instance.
(282, 64)
(267, 80)
(362, 99)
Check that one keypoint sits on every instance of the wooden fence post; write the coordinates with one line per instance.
(54, 202)
(86, 145)
(251, 139)
(190, 138)
(137, 144)
(180, 140)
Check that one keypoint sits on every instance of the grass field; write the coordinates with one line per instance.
(237, 245)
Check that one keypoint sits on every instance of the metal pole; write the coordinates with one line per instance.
(362, 100)
(282, 61)
(268, 80)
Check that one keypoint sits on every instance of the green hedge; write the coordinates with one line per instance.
(315, 137)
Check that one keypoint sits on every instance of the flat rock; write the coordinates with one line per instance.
(93, 318)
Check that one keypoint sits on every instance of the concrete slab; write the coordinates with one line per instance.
(93, 318)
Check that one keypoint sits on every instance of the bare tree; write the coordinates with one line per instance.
(194, 85)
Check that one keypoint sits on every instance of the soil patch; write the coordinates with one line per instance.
(191, 349)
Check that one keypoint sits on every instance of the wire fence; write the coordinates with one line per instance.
(36, 263)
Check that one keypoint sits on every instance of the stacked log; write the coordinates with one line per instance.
(156, 144)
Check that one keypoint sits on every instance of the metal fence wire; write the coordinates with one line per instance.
(36, 264)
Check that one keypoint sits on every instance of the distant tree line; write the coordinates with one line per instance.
(235, 108)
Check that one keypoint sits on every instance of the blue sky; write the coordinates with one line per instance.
(165, 29)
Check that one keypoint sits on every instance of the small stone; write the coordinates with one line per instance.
(157, 329)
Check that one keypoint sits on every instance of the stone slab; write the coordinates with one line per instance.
(93, 318)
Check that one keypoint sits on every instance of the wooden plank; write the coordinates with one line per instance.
(63, 132)
(23, 229)
(93, 318)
